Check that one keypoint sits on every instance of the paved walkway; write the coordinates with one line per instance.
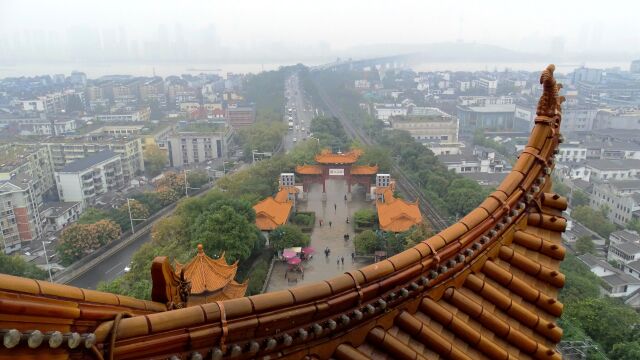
(321, 267)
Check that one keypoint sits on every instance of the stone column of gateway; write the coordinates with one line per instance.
(485, 287)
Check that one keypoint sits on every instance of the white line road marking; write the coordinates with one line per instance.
(113, 268)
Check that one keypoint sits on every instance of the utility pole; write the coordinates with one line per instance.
(131, 218)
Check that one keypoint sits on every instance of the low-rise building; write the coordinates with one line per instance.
(431, 127)
(621, 197)
(485, 113)
(84, 179)
(385, 111)
(623, 253)
(615, 282)
(187, 147)
(607, 169)
(143, 114)
(58, 215)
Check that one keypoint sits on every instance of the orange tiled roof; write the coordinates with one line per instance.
(364, 170)
(207, 274)
(232, 290)
(397, 215)
(309, 170)
(273, 212)
(327, 157)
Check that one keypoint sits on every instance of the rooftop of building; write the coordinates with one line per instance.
(397, 215)
(207, 274)
(613, 164)
(273, 211)
(592, 262)
(89, 161)
(625, 185)
(629, 248)
(327, 157)
(457, 158)
(57, 208)
(620, 279)
(13, 155)
(201, 128)
(490, 108)
(626, 236)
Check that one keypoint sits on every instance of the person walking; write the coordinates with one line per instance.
(330, 223)
(335, 207)
(320, 222)
(353, 257)
(345, 197)
(342, 259)
(338, 262)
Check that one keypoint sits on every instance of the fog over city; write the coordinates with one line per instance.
(292, 31)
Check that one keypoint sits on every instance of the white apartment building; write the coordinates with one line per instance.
(186, 147)
(488, 85)
(84, 179)
(621, 197)
(69, 149)
(44, 127)
(571, 152)
(31, 162)
(623, 236)
(58, 215)
(615, 282)
(51, 103)
(606, 169)
(623, 253)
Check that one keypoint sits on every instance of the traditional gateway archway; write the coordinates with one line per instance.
(484, 288)
(337, 165)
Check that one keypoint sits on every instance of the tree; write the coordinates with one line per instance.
(286, 236)
(594, 220)
(464, 195)
(376, 155)
(367, 242)
(152, 200)
(78, 240)
(579, 198)
(225, 230)
(154, 160)
(584, 245)
(17, 266)
(197, 178)
(172, 180)
(561, 188)
(365, 217)
(93, 215)
(625, 351)
(261, 136)
(417, 234)
(121, 215)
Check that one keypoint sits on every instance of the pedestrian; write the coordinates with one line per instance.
(338, 262)
(320, 222)
(347, 219)
(329, 223)
(345, 197)
(335, 207)
(342, 259)
(353, 257)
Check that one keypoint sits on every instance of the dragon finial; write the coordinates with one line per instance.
(549, 103)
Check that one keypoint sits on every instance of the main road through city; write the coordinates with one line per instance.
(300, 115)
(112, 267)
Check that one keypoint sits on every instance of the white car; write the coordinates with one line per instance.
(295, 139)
(127, 268)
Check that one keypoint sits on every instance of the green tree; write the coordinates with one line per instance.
(365, 217)
(92, 215)
(261, 136)
(580, 282)
(195, 179)
(367, 242)
(154, 160)
(579, 198)
(376, 155)
(594, 220)
(464, 195)
(634, 225)
(625, 351)
(286, 236)
(225, 230)
(17, 266)
(584, 245)
(560, 188)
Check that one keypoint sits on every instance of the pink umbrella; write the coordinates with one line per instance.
(288, 254)
(294, 261)
(308, 250)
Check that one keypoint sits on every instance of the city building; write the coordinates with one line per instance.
(614, 282)
(20, 221)
(385, 111)
(431, 127)
(30, 162)
(58, 215)
(571, 152)
(241, 116)
(211, 279)
(619, 118)
(143, 114)
(487, 85)
(191, 147)
(486, 113)
(51, 103)
(84, 179)
(69, 149)
(605, 169)
(274, 210)
(621, 197)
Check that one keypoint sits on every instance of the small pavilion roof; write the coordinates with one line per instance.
(364, 170)
(207, 274)
(397, 215)
(327, 157)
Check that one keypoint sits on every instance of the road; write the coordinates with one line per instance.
(111, 268)
(300, 115)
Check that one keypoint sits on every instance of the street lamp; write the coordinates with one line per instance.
(131, 217)
(186, 184)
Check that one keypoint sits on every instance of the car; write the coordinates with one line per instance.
(127, 268)
(295, 139)
(302, 129)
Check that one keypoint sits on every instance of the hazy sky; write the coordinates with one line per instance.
(582, 25)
